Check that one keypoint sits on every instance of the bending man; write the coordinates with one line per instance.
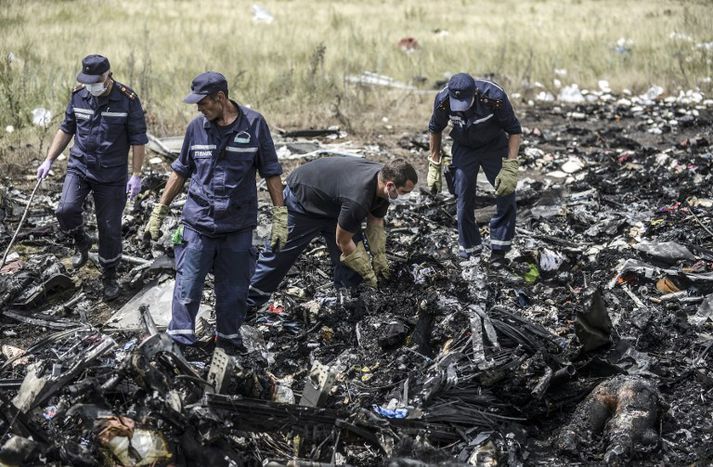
(332, 197)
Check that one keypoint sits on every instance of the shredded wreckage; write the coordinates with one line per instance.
(595, 345)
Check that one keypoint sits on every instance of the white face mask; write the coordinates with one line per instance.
(96, 89)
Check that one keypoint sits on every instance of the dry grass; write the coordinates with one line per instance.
(293, 70)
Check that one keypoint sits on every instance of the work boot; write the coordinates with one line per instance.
(232, 348)
(498, 263)
(470, 253)
(251, 314)
(111, 286)
(82, 244)
(196, 351)
(499, 267)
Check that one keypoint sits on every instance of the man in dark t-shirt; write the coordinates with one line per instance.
(332, 197)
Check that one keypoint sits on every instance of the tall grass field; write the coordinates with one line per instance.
(292, 59)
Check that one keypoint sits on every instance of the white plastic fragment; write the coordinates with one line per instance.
(571, 94)
(544, 96)
(261, 15)
(551, 260)
(572, 165)
(41, 117)
(653, 93)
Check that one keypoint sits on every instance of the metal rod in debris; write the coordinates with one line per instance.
(19, 226)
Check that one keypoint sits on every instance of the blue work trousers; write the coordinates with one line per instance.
(272, 266)
(109, 202)
(467, 162)
(231, 258)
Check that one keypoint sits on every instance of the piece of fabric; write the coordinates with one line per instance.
(221, 164)
(342, 188)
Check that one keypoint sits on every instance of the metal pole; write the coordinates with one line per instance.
(19, 226)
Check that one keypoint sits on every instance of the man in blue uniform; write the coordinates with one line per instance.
(332, 197)
(222, 150)
(485, 134)
(105, 118)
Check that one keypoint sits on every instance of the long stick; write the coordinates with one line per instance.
(19, 226)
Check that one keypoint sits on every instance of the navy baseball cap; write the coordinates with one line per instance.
(461, 89)
(206, 84)
(93, 67)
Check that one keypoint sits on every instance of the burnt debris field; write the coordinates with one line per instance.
(594, 346)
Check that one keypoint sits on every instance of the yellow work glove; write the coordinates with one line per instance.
(376, 236)
(434, 180)
(153, 228)
(278, 236)
(358, 261)
(506, 181)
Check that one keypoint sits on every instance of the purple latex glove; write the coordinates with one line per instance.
(44, 169)
(133, 186)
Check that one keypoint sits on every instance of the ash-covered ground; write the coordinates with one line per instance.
(593, 347)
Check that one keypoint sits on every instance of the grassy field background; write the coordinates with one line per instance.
(293, 70)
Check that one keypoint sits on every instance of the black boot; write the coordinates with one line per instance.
(233, 349)
(111, 286)
(82, 244)
(498, 262)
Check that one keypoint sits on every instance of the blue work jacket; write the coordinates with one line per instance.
(221, 164)
(103, 127)
(487, 122)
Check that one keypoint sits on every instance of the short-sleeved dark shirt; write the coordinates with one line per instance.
(104, 127)
(221, 163)
(342, 188)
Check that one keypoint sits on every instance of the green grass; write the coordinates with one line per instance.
(293, 70)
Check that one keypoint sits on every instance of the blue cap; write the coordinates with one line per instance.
(461, 89)
(93, 67)
(206, 84)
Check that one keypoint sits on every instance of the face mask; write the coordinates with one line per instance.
(96, 89)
